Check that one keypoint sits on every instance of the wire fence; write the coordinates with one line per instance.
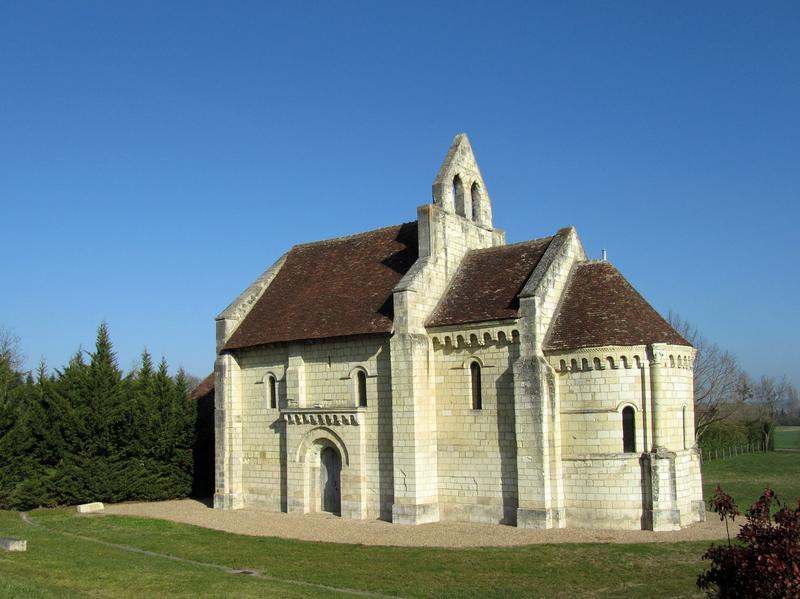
(721, 453)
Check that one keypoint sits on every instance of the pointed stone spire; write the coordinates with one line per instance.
(459, 187)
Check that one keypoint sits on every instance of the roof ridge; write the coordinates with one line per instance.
(351, 235)
(510, 245)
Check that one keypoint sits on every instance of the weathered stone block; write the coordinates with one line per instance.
(7, 544)
(90, 508)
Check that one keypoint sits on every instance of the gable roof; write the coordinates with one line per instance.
(488, 282)
(332, 288)
(600, 307)
(205, 387)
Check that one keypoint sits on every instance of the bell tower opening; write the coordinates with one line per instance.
(459, 187)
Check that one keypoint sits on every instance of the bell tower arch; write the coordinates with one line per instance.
(459, 187)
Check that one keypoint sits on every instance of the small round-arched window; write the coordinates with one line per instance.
(361, 388)
(273, 392)
(475, 384)
(628, 430)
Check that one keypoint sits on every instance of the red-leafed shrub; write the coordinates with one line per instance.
(764, 561)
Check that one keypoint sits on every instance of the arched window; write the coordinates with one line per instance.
(475, 383)
(628, 430)
(458, 196)
(361, 388)
(475, 195)
(273, 392)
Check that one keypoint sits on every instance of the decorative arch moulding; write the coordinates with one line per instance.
(614, 357)
(316, 417)
(464, 339)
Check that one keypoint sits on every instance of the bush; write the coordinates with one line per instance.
(723, 435)
(765, 559)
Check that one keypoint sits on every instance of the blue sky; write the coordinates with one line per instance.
(156, 157)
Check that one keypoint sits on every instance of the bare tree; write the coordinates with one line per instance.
(10, 352)
(768, 394)
(791, 405)
(720, 385)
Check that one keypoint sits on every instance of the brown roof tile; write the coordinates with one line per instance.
(488, 282)
(332, 288)
(600, 308)
(205, 387)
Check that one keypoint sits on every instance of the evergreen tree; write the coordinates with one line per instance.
(88, 433)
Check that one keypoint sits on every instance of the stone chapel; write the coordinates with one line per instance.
(430, 372)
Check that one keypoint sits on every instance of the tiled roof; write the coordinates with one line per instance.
(205, 387)
(488, 282)
(332, 288)
(600, 307)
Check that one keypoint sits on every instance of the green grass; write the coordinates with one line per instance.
(63, 567)
(58, 565)
(70, 567)
(745, 477)
(787, 437)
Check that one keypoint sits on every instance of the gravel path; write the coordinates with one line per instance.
(332, 529)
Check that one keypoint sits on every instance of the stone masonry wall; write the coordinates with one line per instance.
(476, 448)
(672, 367)
(604, 491)
(594, 386)
(262, 427)
(604, 487)
(269, 446)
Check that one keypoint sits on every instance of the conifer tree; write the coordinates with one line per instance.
(88, 433)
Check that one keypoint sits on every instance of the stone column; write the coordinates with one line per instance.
(659, 413)
(228, 433)
(647, 405)
(664, 514)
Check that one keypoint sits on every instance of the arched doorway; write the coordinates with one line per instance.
(330, 480)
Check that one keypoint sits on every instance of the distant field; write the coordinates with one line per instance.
(744, 477)
(787, 437)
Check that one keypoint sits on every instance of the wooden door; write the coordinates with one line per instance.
(330, 480)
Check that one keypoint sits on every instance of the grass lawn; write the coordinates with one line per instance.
(61, 566)
(744, 477)
(787, 437)
(58, 565)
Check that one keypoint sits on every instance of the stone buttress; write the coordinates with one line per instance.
(458, 220)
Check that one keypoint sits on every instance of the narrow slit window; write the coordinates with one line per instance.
(475, 196)
(273, 393)
(475, 379)
(458, 196)
(361, 388)
(628, 430)
(683, 414)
